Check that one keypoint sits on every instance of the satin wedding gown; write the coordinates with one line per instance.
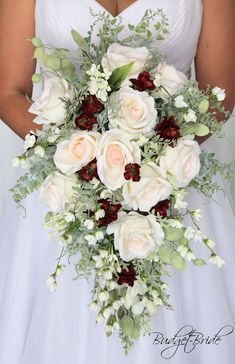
(40, 327)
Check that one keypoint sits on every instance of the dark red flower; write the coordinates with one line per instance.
(143, 82)
(85, 122)
(91, 105)
(88, 172)
(132, 171)
(127, 275)
(111, 212)
(161, 208)
(168, 129)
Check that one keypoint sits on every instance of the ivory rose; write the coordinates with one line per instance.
(73, 154)
(118, 55)
(57, 191)
(182, 161)
(136, 236)
(151, 189)
(115, 151)
(49, 107)
(134, 112)
(170, 78)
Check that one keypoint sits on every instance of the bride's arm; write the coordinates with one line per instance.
(215, 60)
(16, 63)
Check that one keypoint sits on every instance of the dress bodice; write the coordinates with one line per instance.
(55, 18)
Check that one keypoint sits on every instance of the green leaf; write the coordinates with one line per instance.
(39, 53)
(48, 216)
(157, 26)
(202, 130)
(199, 262)
(36, 42)
(127, 325)
(53, 62)
(182, 241)
(173, 234)
(197, 129)
(177, 261)
(68, 70)
(119, 75)
(164, 252)
(36, 78)
(131, 27)
(80, 41)
(203, 106)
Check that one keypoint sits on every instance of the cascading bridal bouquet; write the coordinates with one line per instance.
(114, 161)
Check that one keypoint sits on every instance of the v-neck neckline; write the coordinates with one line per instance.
(129, 7)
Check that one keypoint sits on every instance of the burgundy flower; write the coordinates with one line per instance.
(168, 129)
(161, 208)
(91, 105)
(143, 82)
(127, 275)
(111, 212)
(88, 172)
(85, 122)
(132, 171)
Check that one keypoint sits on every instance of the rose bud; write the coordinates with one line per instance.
(85, 122)
(168, 129)
(132, 171)
(143, 82)
(161, 208)
(91, 105)
(88, 172)
(127, 276)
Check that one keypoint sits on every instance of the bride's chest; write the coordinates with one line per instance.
(55, 18)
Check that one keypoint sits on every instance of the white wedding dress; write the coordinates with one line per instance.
(40, 327)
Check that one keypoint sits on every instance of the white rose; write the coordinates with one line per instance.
(49, 107)
(182, 161)
(135, 235)
(134, 112)
(115, 151)
(171, 79)
(118, 55)
(57, 191)
(73, 154)
(151, 189)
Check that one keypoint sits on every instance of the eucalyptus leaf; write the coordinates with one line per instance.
(177, 261)
(68, 70)
(199, 262)
(202, 130)
(53, 62)
(173, 234)
(36, 78)
(197, 129)
(203, 106)
(182, 241)
(164, 252)
(39, 53)
(36, 42)
(127, 325)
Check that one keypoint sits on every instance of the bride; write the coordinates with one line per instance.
(39, 327)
